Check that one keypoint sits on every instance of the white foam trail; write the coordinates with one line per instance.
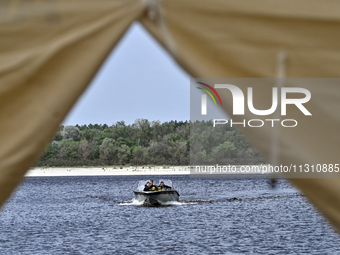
(133, 202)
(178, 203)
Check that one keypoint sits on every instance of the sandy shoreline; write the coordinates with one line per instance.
(102, 171)
(146, 170)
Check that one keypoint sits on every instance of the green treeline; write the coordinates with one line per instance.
(148, 143)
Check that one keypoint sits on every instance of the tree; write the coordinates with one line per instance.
(160, 153)
(123, 155)
(71, 132)
(68, 149)
(140, 156)
(143, 132)
(59, 134)
(91, 134)
(85, 149)
(108, 151)
(180, 152)
(224, 151)
(199, 158)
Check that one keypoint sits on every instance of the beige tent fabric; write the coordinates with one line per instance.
(243, 39)
(238, 39)
(50, 50)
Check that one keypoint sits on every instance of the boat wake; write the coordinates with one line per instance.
(135, 202)
(170, 203)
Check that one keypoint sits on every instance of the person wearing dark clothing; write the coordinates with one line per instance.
(162, 186)
(153, 186)
(147, 186)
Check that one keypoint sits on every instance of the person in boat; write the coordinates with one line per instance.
(153, 186)
(162, 186)
(147, 186)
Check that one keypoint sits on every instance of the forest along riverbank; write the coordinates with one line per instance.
(148, 143)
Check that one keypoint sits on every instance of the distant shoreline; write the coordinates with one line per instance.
(106, 171)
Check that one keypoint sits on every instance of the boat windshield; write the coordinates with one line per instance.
(141, 185)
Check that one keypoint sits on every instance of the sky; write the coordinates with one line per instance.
(139, 79)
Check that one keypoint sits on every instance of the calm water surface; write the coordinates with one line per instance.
(97, 215)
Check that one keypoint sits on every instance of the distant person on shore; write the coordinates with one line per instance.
(162, 186)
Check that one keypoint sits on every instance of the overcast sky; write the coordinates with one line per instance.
(138, 80)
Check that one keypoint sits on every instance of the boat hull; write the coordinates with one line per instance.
(156, 197)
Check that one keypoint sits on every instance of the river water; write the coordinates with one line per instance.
(97, 215)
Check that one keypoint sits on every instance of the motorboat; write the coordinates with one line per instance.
(156, 197)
